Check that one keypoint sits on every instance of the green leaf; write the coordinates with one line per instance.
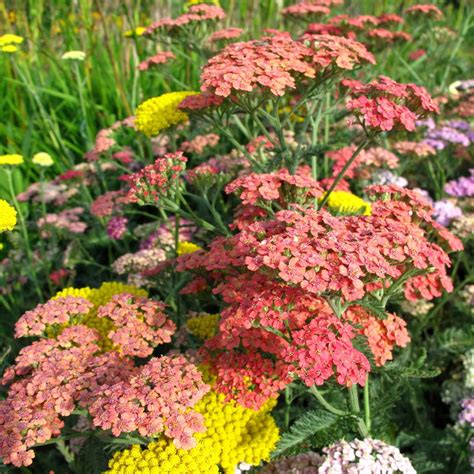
(315, 428)
(93, 457)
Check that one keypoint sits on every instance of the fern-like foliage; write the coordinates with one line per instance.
(315, 429)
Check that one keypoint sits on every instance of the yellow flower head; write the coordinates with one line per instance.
(187, 247)
(345, 203)
(74, 55)
(203, 325)
(42, 159)
(138, 31)
(10, 39)
(160, 113)
(233, 434)
(190, 3)
(11, 160)
(7, 216)
(9, 48)
(98, 297)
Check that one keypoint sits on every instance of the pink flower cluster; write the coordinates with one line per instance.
(54, 376)
(197, 102)
(275, 63)
(384, 104)
(66, 220)
(154, 398)
(53, 312)
(196, 14)
(226, 34)
(419, 149)
(199, 143)
(279, 186)
(154, 181)
(365, 163)
(304, 9)
(164, 235)
(140, 324)
(382, 334)
(117, 227)
(106, 204)
(278, 275)
(104, 140)
(155, 60)
(427, 9)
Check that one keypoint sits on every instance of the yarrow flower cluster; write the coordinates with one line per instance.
(364, 456)
(7, 216)
(155, 181)
(117, 227)
(160, 113)
(11, 160)
(275, 63)
(233, 434)
(140, 324)
(67, 370)
(155, 60)
(384, 104)
(197, 14)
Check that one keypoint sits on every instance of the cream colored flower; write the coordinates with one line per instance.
(75, 55)
(42, 159)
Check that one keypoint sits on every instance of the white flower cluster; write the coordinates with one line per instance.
(364, 456)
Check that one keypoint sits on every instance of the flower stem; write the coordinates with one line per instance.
(325, 403)
(367, 419)
(343, 171)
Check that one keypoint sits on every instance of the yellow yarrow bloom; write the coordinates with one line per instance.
(42, 159)
(10, 39)
(187, 247)
(138, 31)
(9, 48)
(7, 216)
(345, 203)
(233, 434)
(11, 160)
(203, 325)
(98, 297)
(190, 3)
(160, 113)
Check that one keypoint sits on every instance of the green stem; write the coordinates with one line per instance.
(367, 419)
(313, 389)
(355, 409)
(343, 171)
(24, 232)
(64, 450)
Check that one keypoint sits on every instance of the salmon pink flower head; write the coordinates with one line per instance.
(106, 204)
(279, 186)
(382, 334)
(54, 312)
(157, 59)
(196, 15)
(275, 63)
(305, 9)
(140, 324)
(156, 399)
(198, 102)
(385, 104)
(425, 10)
(155, 181)
(226, 34)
